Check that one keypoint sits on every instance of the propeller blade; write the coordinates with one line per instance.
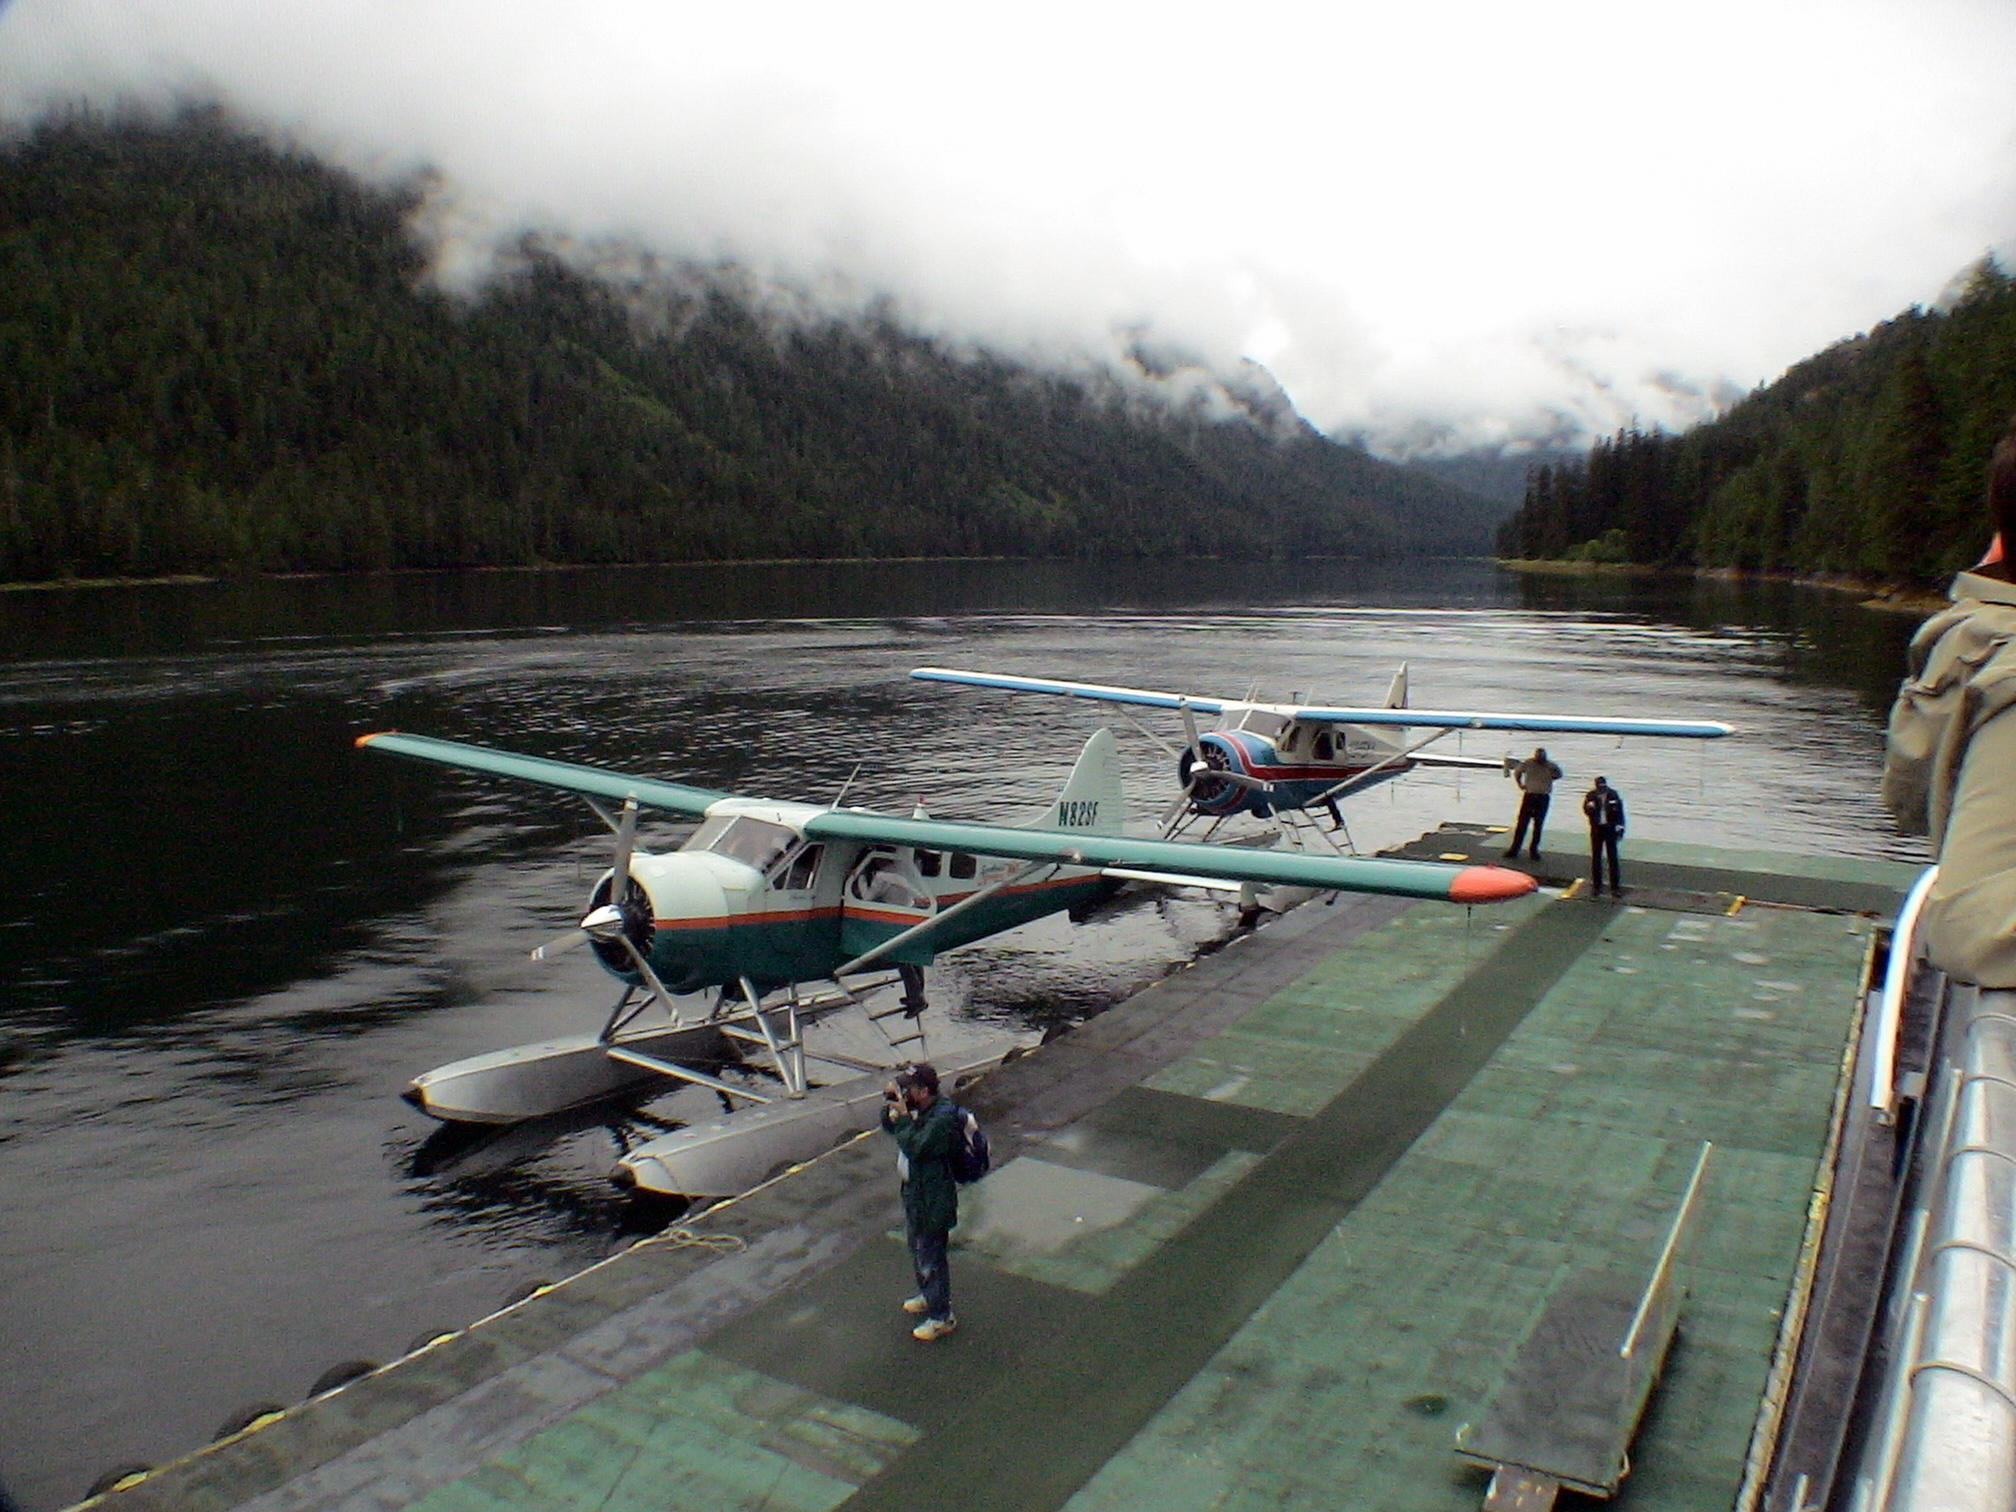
(626, 841)
(560, 944)
(606, 922)
(656, 987)
(1195, 767)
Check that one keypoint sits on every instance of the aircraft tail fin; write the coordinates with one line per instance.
(1396, 692)
(1093, 799)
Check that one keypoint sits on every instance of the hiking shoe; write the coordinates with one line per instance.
(932, 1329)
(917, 1306)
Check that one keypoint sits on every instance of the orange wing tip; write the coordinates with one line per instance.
(1489, 884)
(365, 740)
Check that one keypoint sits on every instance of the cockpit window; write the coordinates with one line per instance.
(798, 873)
(754, 841)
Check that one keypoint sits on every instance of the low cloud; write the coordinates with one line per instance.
(1439, 227)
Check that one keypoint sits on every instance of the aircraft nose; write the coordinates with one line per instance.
(684, 908)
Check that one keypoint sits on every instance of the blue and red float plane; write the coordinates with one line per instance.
(1275, 758)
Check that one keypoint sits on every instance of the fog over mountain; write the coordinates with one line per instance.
(1439, 228)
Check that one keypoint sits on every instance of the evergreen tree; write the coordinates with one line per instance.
(1866, 458)
(219, 357)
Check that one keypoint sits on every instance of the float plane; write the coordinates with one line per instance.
(1270, 759)
(785, 912)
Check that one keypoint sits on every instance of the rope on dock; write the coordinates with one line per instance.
(680, 1238)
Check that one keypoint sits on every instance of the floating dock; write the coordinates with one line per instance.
(1269, 1234)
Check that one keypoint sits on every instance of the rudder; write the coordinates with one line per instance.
(1093, 799)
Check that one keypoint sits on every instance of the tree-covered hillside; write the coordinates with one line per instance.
(220, 356)
(1865, 460)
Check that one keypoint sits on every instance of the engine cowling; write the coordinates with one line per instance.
(1215, 795)
(678, 914)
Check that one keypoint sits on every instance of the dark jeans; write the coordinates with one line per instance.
(934, 1275)
(1532, 807)
(1603, 843)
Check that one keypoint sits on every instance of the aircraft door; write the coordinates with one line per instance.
(884, 895)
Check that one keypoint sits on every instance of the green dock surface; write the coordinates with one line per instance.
(1265, 1236)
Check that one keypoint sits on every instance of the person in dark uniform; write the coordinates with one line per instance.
(1603, 807)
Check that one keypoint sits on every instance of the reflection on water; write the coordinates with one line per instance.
(233, 938)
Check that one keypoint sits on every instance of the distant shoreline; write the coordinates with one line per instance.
(200, 579)
(1889, 596)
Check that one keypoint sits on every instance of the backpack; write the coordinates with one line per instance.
(970, 1158)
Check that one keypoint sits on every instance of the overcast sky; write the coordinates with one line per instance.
(1436, 223)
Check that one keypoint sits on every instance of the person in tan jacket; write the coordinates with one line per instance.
(1950, 769)
(1536, 776)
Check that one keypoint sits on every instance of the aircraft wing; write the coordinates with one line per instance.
(1218, 863)
(1407, 879)
(596, 782)
(1098, 692)
(1544, 724)
(1449, 719)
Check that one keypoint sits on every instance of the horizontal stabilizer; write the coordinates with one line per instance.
(1173, 879)
(1474, 763)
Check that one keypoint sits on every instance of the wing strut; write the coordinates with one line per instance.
(683, 1073)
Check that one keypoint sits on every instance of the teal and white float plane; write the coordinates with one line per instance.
(1277, 758)
(778, 913)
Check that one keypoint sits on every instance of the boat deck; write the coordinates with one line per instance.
(1264, 1236)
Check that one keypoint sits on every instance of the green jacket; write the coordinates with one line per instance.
(1951, 773)
(930, 1195)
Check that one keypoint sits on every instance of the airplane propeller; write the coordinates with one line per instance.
(610, 922)
(1194, 765)
(1195, 768)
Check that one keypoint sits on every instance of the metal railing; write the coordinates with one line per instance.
(1897, 976)
(1946, 1426)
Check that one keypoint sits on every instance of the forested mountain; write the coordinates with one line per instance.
(217, 356)
(1866, 460)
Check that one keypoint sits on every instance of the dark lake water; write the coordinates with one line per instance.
(230, 939)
